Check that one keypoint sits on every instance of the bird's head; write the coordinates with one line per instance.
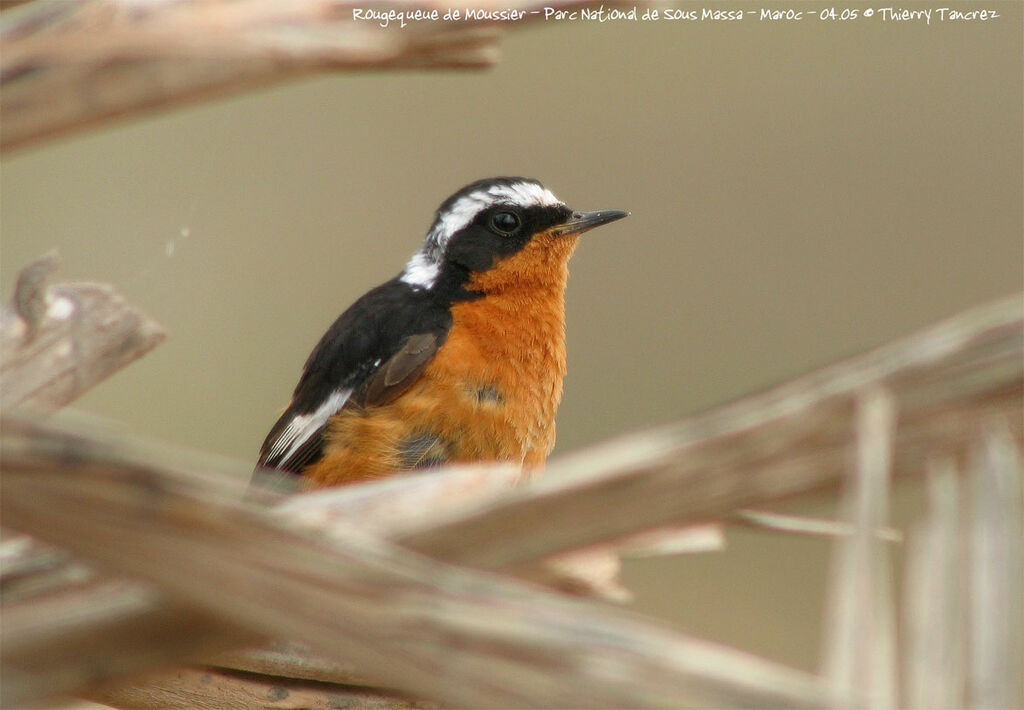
(501, 232)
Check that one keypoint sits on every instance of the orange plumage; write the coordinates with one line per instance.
(492, 390)
(460, 358)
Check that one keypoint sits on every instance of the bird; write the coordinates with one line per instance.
(458, 358)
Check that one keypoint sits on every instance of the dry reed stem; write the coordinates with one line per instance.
(945, 378)
(791, 439)
(58, 341)
(995, 567)
(77, 638)
(289, 659)
(454, 635)
(30, 569)
(375, 508)
(219, 688)
(933, 658)
(803, 525)
(860, 640)
(395, 506)
(71, 65)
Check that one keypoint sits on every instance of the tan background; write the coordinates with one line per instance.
(800, 192)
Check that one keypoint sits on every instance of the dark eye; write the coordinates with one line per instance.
(505, 222)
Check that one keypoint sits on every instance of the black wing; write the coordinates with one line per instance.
(371, 354)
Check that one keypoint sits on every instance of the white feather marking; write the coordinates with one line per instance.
(420, 271)
(302, 427)
(424, 266)
(460, 214)
(466, 208)
(524, 194)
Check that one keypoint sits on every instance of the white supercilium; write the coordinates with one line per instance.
(425, 265)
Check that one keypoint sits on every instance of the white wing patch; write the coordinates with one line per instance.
(302, 427)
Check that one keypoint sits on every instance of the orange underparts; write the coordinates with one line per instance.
(490, 393)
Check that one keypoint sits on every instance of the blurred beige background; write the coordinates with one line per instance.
(799, 192)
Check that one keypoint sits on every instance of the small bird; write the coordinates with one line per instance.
(459, 358)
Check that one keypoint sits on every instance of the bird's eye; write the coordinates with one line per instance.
(505, 222)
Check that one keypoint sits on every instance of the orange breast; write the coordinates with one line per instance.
(490, 393)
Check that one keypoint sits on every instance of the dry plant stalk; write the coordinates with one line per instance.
(933, 604)
(962, 606)
(58, 341)
(859, 656)
(63, 641)
(455, 635)
(71, 65)
(944, 379)
(219, 688)
(58, 612)
(994, 570)
(803, 525)
(131, 614)
(791, 439)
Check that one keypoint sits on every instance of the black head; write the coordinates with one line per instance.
(488, 220)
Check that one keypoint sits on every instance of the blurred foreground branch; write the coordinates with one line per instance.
(947, 381)
(69, 65)
(58, 341)
(437, 631)
(309, 570)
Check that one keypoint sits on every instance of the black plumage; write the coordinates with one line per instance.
(361, 342)
(381, 344)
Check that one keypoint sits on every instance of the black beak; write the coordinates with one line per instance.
(580, 222)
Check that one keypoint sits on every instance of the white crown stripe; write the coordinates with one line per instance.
(424, 267)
